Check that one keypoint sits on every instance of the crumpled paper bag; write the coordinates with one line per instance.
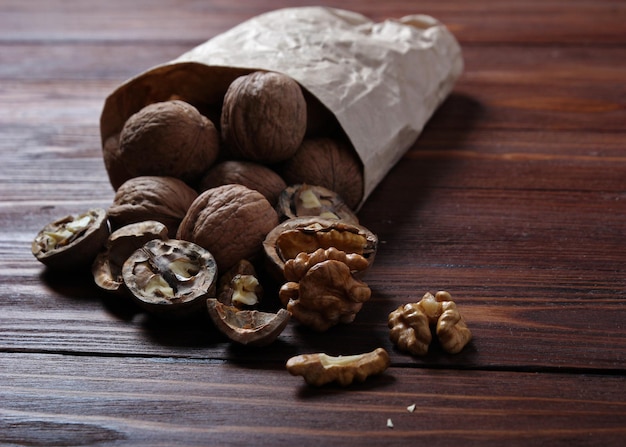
(382, 81)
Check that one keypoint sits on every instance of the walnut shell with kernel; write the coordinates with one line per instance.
(231, 221)
(169, 138)
(164, 199)
(264, 117)
(247, 173)
(328, 162)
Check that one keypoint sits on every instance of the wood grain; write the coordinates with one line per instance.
(513, 199)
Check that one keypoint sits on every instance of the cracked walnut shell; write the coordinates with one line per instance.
(307, 234)
(231, 221)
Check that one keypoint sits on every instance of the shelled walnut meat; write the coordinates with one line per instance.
(307, 234)
(411, 325)
(169, 138)
(264, 117)
(231, 221)
(321, 290)
(164, 199)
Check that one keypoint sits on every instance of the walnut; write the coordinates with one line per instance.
(170, 278)
(239, 287)
(411, 325)
(251, 174)
(321, 290)
(328, 162)
(169, 138)
(247, 327)
(311, 200)
(319, 369)
(263, 117)
(307, 234)
(164, 199)
(107, 267)
(72, 241)
(231, 221)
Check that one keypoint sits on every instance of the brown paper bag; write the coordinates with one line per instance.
(382, 81)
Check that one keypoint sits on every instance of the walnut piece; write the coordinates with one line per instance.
(263, 117)
(319, 369)
(171, 278)
(307, 234)
(239, 287)
(321, 291)
(411, 325)
(72, 241)
(247, 327)
(107, 267)
(311, 200)
(231, 221)
(247, 173)
(169, 138)
(164, 199)
(328, 162)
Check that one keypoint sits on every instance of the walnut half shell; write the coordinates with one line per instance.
(307, 234)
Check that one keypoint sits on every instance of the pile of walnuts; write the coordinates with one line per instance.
(202, 205)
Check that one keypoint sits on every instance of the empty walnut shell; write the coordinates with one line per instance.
(247, 173)
(170, 278)
(311, 200)
(169, 138)
(107, 267)
(164, 199)
(327, 162)
(307, 234)
(247, 327)
(72, 241)
(231, 221)
(264, 117)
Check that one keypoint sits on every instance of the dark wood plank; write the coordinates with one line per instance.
(126, 401)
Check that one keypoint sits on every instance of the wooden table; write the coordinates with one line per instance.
(513, 200)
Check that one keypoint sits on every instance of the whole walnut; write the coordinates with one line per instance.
(264, 117)
(164, 199)
(330, 163)
(248, 173)
(169, 138)
(231, 221)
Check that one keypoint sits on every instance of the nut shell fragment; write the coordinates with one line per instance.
(247, 327)
(171, 278)
(320, 369)
(107, 267)
(72, 241)
(304, 200)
